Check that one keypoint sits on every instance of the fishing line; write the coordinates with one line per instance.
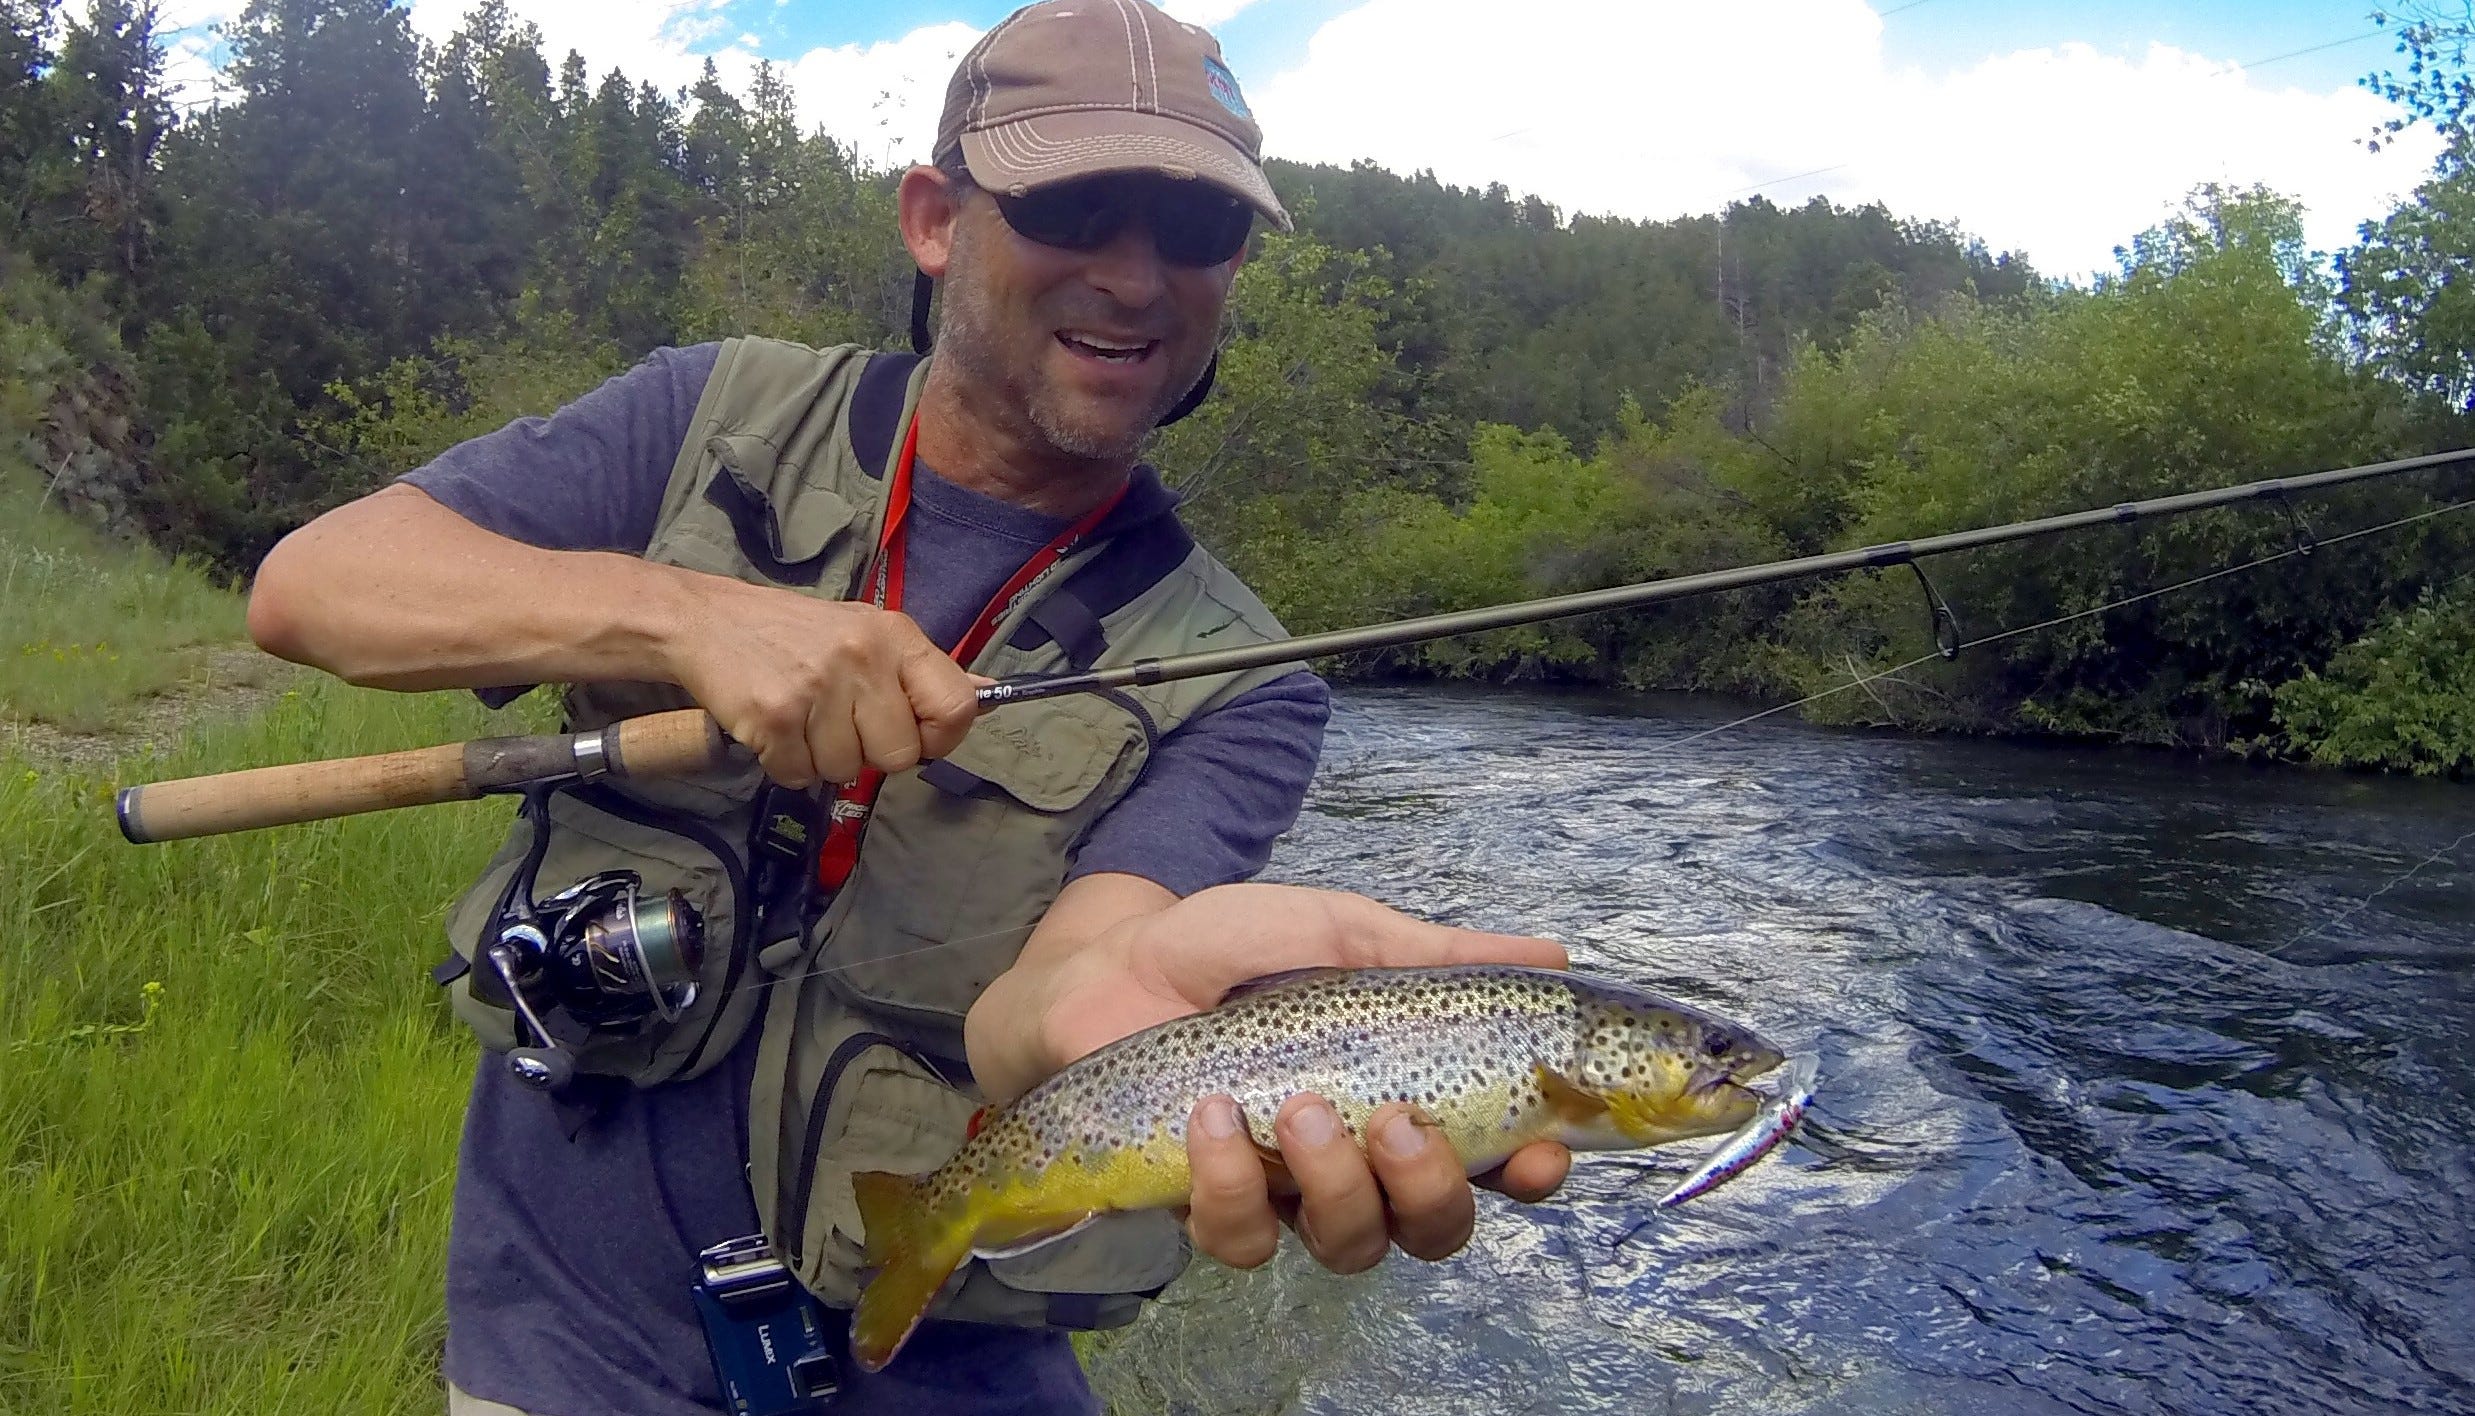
(1892, 672)
(1996, 637)
(2366, 902)
(1999, 635)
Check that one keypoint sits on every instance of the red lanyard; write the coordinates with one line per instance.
(852, 803)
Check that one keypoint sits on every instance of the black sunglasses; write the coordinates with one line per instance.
(1191, 224)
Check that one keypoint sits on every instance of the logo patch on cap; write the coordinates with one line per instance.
(1223, 84)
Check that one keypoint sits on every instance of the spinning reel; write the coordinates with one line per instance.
(597, 954)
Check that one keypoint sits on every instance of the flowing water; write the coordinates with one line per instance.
(2129, 1101)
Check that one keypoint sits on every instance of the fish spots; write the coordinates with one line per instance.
(1464, 1045)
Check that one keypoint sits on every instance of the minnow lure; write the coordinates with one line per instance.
(1766, 1132)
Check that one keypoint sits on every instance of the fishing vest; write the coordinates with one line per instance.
(860, 1062)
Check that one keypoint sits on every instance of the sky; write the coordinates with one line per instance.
(2059, 130)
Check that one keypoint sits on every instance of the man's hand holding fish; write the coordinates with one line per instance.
(1117, 954)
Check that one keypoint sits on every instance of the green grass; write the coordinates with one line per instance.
(89, 629)
(229, 1097)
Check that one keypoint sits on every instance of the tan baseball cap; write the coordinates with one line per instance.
(1080, 88)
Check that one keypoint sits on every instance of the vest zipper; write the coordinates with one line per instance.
(1142, 715)
(793, 1201)
(743, 926)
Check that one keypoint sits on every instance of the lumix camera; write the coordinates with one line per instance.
(768, 1336)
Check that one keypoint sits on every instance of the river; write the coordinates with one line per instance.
(2130, 1101)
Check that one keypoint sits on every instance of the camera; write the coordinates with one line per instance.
(768, 1336)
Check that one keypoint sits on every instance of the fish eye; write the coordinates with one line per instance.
(1719, 1045)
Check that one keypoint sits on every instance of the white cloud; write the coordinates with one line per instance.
(1657, 108)
(882, 98)
(180, 15)
(1651, 109)
(648, 39)
(191, 69)
(2077, 151)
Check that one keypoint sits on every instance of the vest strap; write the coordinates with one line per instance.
(875, 416)
(950, 779)
(1119, 575)
(1074, 1310)
(1066, 619)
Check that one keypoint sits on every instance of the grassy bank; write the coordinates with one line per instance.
(228, 1098)
(94, 629)
(228, 1102)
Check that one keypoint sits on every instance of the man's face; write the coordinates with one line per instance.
(1089, 348)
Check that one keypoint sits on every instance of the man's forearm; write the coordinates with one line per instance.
(397, 591)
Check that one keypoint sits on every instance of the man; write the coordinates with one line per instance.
(720, 524)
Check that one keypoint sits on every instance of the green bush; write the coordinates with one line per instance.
(2206, 362)
(2401, 698)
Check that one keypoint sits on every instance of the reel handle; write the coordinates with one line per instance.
(547, 1069)
(657, 745)
(541, 1064)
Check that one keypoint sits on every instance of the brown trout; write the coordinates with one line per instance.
(1497, 1056)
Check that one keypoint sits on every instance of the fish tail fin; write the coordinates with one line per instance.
(913, 1254)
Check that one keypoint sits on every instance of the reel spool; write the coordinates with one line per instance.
(598, 952)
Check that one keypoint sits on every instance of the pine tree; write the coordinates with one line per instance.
(111, 115)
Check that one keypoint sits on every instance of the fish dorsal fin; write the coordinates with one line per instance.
(1017, 1245)
(1275, 980)
(1567, 1101)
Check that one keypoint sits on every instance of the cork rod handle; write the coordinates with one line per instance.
(657, 745)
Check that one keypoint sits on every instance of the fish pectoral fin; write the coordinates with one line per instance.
(1276, 1175)
(1013, 1242)
(1569, 1102)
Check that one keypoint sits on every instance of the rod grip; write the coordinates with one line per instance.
(292, 793)
(672, 744)
(657, 745)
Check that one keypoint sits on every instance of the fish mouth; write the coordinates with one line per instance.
(1794, 1079)
(1744, 1068)
(1764, 1079)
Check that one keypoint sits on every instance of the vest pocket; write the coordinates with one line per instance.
(876, 1106)
(595, 829)
(880, 1105)
(964, 856)
(758, 515)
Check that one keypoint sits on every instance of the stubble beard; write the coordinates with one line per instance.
(967, 336)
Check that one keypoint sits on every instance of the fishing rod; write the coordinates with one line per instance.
(1654, 592)
(690, 740)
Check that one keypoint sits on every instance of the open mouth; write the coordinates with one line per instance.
(1795, 1078)
(1106, 349)
(1760, 1074)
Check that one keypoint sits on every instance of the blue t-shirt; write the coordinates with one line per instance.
(569, 1262)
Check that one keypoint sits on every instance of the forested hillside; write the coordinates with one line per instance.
(217, 320)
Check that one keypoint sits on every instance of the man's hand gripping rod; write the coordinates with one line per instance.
(671, 744)
(657, 745)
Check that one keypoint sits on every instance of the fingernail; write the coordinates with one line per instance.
(1219, 1118)
(1314, 1123)
(1402, 1136)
